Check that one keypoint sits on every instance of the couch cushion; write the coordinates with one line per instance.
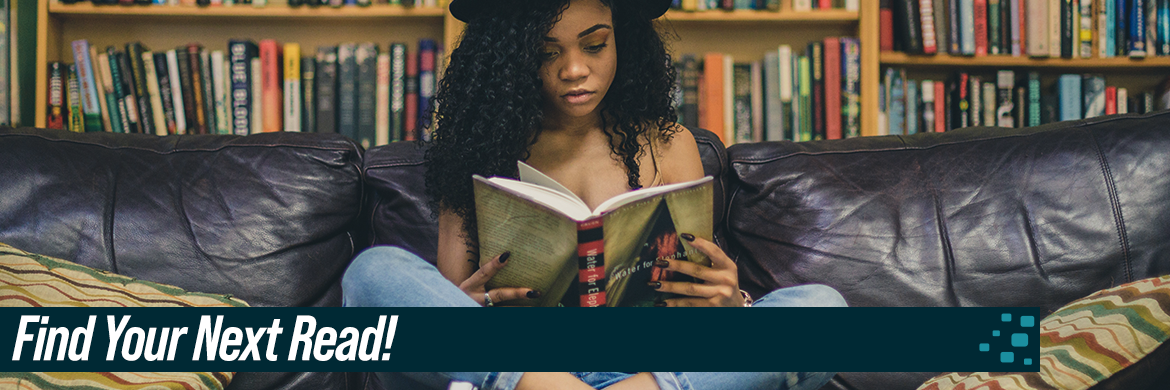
(975, 217)
(1097, 342)
(399, 214)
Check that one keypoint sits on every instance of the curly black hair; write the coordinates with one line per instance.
(489, 103)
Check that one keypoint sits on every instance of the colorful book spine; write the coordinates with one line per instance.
(292, 87)
(177, 93)
(382, 102)
(99, 87)
(784, 57)
(591, 277)
(979, 23)
(850, 87)
(326, 89)
(929, 34)
(975, 106)
(1005, 82)
(989, 105)
(816, 57)
(138, 76)
(994, 27)
(897, 104)
(962, 101)
(806, 109)
(1069, 90)
(833, 88)
(426, 84)
(1162, 26)
(1093, 93)
(410, 119)
(1034, 115)
(954, 30)
(1122, 101)
(115, 109)
(774, 118)
(158, 114)
(128, 126)
(192, 109)
(55, 118)
(940, 107)
(1121, 29)
(712, 99)
(907, 26)
(913, 103)
(1137, 28)
(271, 85)
(240, 55)
(128, 89)
(208, 91)
(926, 91)
(308, 94)
(1108, 23)
(89, 95)
(75, 120)
(347, 90)
(258, 115)
(690, 90)
(366, 57)
(1110, 100)
(397, 91)
(886, 25)
(742, 112)
(1086, 28)
(221, 87)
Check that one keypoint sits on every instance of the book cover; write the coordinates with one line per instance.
(397, 91)
(851, 87)
(1005, 82)
(557, 243)
(833, 88)
(326, 89)
(742, 112)
(1093, 93)
(926, 91)
(1069, 92)
(180, 106)
(962, 101)
(1107, 23)
(271, 86)
(426, 85)
(158, 114)
(816, 57)
(1086, 28)
(86, 83)
(712, 99)
(382, 101)
(240, 55)
(913, 102)
(133, 53)
(347, 74)
(292, 87)
(886, 25)
(926, 17)
(366, 57)
(221, 87)
(55, 118)
(308, 94)
(1137, 29)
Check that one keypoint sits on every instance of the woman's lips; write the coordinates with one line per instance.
(577, 97)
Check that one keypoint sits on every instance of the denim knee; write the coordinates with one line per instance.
(372, 270)
(820, 295)
(808, 295)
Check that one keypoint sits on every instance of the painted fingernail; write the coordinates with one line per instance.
(687, 236)
(661, 263)
(655, 285)
(659, 304)
(504, 257)
(532, 294)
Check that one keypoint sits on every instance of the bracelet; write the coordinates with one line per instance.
(747, 298)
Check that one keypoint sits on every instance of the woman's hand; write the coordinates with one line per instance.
(718, 285)
(474, 285)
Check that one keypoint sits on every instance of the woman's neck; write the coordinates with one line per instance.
(568, 126)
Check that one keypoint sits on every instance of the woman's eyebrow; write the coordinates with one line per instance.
(583, 33)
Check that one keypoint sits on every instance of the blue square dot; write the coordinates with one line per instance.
(1006, 317)
(1027, 321)
(984, 347)
(995, 333)
(1007, 357)
(1019, 339)
(1028, 361)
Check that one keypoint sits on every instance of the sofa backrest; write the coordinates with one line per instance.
(268, 218)
(976, 217)
(399, 214)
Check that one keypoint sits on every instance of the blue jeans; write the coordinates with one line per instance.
(379, 276)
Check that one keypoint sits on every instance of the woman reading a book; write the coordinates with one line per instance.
(581, 91)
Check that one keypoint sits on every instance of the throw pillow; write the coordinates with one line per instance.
(1088, 341)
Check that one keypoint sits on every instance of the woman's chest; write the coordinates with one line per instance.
(595, 178)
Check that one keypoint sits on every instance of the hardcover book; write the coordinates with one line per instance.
(138, 75)
(180, 110)
(1093, 93)
(366, 57)
(774, 120)
(158, 114)
(86, 84)
(382, 102)
(588, 257)
(326, 89)
(292, 87)
(912, 105)
(975, 102)
(397, 91)
(208, 92)
(1005, 81)
(56, 103)
(308, 94)
(347, 90)
(743, 102)
(187, 86)
(240, 55)
(271, 86)
(833, 88)
(426, 85)
(851, 87)
(221, 85)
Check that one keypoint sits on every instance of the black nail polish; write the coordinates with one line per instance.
(687, 236)
(655, 285)
(659, 304)
(532, 294)
(661, 263)
(504, 257)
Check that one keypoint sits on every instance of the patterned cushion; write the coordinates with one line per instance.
(1087, 342)
(31, 280)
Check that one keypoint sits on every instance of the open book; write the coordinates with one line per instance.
(582, 257)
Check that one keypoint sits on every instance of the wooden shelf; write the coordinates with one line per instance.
(740, 16)
(88, 10)
(998, 61)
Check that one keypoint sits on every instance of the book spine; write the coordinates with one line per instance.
(1151, 27)
(308, 94)
(127, 126)
(833, 88)
(240, 54)
(292, 87)
(7, 68)
(989, 105)
(127, 81)
(1110, 100)
(76, 119)
(907, 26)
(757, 88)
(1005, 81)
(797, 111)
(1086, 28)
(326, 89)
(1108, 25)
(426, 84)
(366, 57)
(897, 102)
(56, 109)
(208, 90)
(138, 74)
(975, 106)
(883, 125)
(257, 79)
(382, 102)
(690, 89)
(397, 91)
(1122, 101)
(1121, 28)
(271, 86)
(1069, 90)
(89, 95)
(806, 108)
(411, 107)
(712, 100)
(187, 86)
(886, 26)
(177, 91)
(743, 102)
(774, 117)
(851, 87)
(347, 90)
(941, 22)
(1034, 114)
(929, 34)
(940, 107)
(157, 112)
(1054, 27)
(1017, 28)
(99, 88)
(994, 27)
(979, 21)
(913, 102)
(221, 87)
(926, 91)
(1093, 93)
(816, 51)
(1163, 27)
(962, 101)
(111, 97)
(954, 28)
(784, 54)
(591, 276)
(194, 57)
(1137, 28)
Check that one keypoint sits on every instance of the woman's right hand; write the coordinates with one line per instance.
(474, 285)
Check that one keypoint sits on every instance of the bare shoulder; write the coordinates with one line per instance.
(679, 155)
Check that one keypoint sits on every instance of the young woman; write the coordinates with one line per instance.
(580, 90)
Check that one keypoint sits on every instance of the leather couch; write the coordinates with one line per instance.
(977, 217)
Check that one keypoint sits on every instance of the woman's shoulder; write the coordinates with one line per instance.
(677, 154)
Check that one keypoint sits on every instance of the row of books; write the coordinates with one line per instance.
(786, 96)
(1005, 99)
(264, 3)
(1037, 28)
(372, 96)
(769, 5)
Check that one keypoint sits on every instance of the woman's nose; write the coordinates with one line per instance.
(574, 67)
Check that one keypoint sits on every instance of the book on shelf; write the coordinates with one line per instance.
(382, 101)
(158, 113)
(347, 90)
(989, 96)
(410, 113)
(240, 55)
(366, 59)
(208, 92)
(308, 93)
(326, 80)
(912, 104)
(74, 118)
(1093, 93)
(86, 82)
(137, 69)
(426, 85)
(191, 111)
(816, 57)
(291, 57)
(1005, 83)
(742, 98)
(221, 87)
(177, 92)
(56, 111)
(1068, 90)
(851, 86)
(398, 91)
(833, 88)
(258, 98)
(581, 256)
(271, 85)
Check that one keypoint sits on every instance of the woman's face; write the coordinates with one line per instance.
(579, 60)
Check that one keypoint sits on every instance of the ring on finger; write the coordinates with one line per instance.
(487, 300)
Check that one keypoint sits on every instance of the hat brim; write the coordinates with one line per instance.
(466, 10)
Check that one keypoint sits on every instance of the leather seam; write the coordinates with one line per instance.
(173, 151)
(1115, 203)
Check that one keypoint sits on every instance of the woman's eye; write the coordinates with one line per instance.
(548, 55)
(595, 48)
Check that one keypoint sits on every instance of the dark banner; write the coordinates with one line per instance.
(529, 339)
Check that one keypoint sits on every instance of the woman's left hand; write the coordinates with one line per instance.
(717, 285)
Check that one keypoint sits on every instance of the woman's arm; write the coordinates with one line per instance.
(457, 259)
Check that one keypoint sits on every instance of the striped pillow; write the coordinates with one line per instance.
(30, 280)
(1087, 342)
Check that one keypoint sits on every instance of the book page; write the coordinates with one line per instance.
(618, 201)
(528, 174)
(543, 243)
(568, 205)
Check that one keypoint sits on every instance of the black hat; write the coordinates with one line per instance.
(466, 10)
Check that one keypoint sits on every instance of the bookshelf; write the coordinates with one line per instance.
(744, 34)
